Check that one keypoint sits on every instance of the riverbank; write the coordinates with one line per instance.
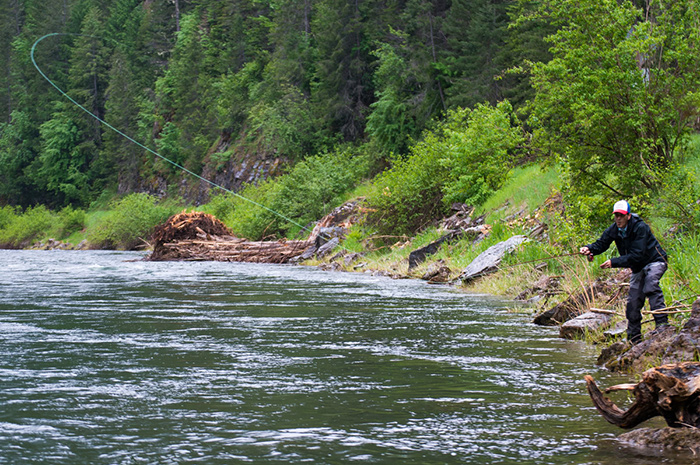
(538, 275)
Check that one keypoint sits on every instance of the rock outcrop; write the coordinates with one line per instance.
(664, 344)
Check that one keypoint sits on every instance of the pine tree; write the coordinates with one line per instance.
(475, 33)
(30, 96)
(71, 139)
(342, 88)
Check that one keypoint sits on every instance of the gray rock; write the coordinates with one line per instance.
(488, 261)
(589, 321)
(437, 273)
(660, 440)
(616, 332)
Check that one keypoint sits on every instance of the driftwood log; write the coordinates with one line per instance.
(671, 391)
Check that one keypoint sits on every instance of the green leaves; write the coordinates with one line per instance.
(480, 155)
(465, 160)
(613, 103)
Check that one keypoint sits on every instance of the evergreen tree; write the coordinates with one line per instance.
(30, 96)
(10, 23)
(475, 32)
(71, 139)
(120, 158)
(342, 88)
(524, 44)
(409, 89)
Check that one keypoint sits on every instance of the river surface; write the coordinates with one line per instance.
(107, 359)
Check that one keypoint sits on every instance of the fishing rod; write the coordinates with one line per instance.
(551, 257)
(130, 139)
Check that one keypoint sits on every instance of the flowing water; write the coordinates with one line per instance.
(107, 359)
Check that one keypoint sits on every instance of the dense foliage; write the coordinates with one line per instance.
(204, 82)
(449, 94)
(619, 98)
(465, 160)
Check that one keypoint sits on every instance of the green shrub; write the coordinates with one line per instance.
(249, 219)
(683, 266)
(221, 205)
(69, 221)
(21, 230)
(7, 216)
(407, 196)
(477, 148)
(310, 190)
(130, 222)
(679, 199)
(465, 159)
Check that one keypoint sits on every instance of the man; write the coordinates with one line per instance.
(640, 251)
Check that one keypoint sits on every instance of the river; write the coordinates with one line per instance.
(108, 359)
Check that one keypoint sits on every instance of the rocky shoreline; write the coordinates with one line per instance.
(53, 244)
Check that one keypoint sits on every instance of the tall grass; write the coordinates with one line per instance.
(527, 188)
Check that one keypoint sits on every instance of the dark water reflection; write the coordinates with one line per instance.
(105, 360)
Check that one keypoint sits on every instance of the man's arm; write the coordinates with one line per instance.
(601, 245)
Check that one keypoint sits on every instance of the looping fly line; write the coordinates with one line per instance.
(130, 139)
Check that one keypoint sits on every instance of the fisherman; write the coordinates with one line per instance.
(640, 251)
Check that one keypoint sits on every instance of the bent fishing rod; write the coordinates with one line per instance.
(130, 139)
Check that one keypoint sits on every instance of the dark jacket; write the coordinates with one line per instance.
(637, 249)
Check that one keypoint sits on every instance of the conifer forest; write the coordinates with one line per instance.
(241, 90)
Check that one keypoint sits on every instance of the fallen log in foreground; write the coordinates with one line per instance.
(232, 250)
(671, 391)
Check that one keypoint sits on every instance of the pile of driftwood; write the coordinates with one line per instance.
(200, 236)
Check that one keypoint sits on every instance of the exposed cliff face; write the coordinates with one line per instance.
(229, 164)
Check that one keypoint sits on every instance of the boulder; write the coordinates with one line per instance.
(660, 440)
(608, 289)
(437, 273)
(488, 261)
(579, 326)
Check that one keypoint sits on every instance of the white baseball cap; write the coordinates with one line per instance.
(621, 206)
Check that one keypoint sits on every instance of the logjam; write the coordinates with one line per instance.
(200, 236)
(671, 391)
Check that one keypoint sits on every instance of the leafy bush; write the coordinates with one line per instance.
(69, 221)
(221, 205)
(248, 219)
(7, 216)
(407, 196)
(130, 222)
(681, 193)
(313, 187)
(478, 149)
(19, 230)
(465, 159)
